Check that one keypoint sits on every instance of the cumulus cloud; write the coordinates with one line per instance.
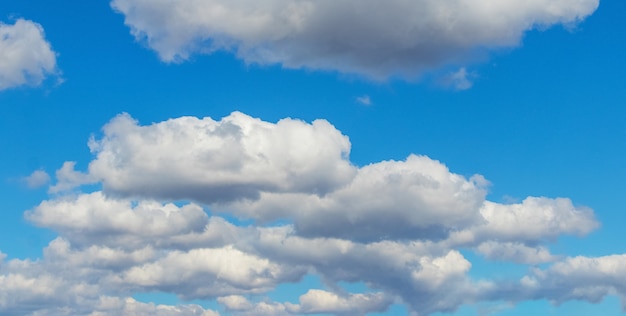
(365, 37)
(400, 228)
(312, 302)
(575, 278)
(317, 301)
(285, 170)
(241, 306)
(515, 252)
(93, 217)
(26, 58)
(211, 161)
(210, 272)
(415, 198)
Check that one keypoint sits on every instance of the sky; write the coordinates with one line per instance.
(299, 157)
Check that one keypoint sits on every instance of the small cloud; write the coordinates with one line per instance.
(364, 100)
(68, 178)
(459, 80)
(37, 179)
(26, 57)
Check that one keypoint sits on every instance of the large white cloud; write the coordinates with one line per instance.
(415, 198)
(400, 228)
(26, 58)
(368, 37)
(210, 161)
(288, 170)
(300, 172)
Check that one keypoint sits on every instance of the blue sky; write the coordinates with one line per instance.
(299, 157)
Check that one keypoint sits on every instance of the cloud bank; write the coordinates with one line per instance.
(26, 58)
(400, 228)
(371, 38)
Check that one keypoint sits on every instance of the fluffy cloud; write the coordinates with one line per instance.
(427, 277)
(212, 161)
(578, 278)
(415, 198)
(240, 306)
(93, 217)
(535, 219)
(287, 170)
(317, 301)
(398, 227)
(26, 58)
(312, 302)
(207, 273)
(376, 39)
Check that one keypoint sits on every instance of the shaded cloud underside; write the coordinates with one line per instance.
(367, 37)
(396, 226)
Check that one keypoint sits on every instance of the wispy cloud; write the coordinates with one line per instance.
(459, 80)
(37, 179)
(364, 100)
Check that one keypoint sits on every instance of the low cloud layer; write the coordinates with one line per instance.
(371, 38)
(26, 58)
(400, 228)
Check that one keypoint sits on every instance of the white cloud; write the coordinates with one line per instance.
(26, 58)
(241, 306)
(535, 219)
(398, 227)
(312, 302)
(210, 272)
(129, 306)
(288, 170)
(93, 218)
(68, 178)
(368, 37)
(578, 278)
(318, 301)
(211, 161)
(426, 277)
(415, 198)
(37, 179)
(515, 252)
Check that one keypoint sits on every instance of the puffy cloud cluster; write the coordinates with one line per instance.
(212, 161)
(313, 302)
(26, 58)
(373, 38)
(398, 227)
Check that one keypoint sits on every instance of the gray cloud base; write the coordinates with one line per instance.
(372, 38)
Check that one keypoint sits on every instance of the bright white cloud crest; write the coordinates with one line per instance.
(398, 227)
(373, 38)
(213, 161)
(26, 58)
